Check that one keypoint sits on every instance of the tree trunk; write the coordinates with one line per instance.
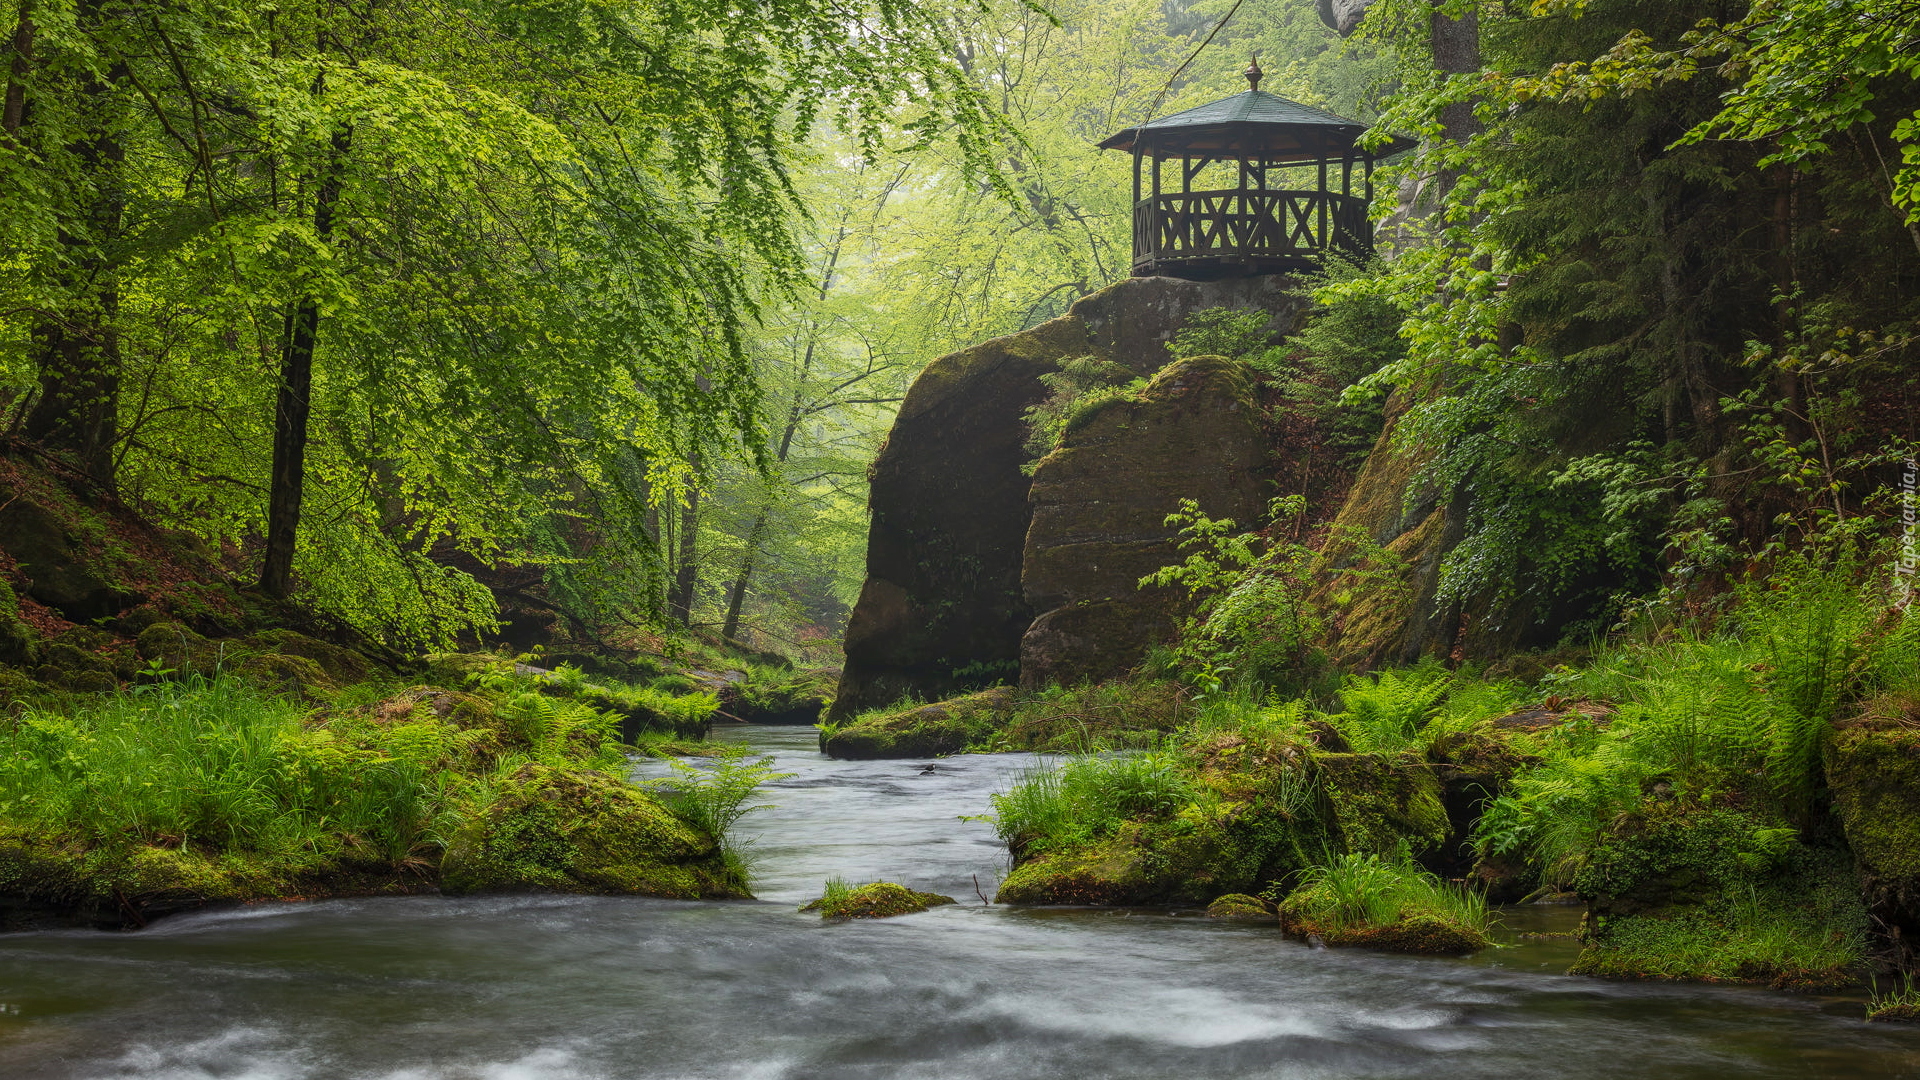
(13, 109)
(78, 346)
(686, 576)
(737, 593)
(295, 401)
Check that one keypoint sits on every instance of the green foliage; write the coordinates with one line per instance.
(1052, 807)
(1254, 622)
(1082, 385)
(714, 795)
(1386, 714)
(1234, 334)
(1740, 713)
(218, 765)
(1365, 890)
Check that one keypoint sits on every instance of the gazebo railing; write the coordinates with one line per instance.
(1295, 228)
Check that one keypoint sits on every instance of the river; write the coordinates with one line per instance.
(545, 988)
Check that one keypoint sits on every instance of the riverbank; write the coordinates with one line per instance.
(209, 786)
(579, 987)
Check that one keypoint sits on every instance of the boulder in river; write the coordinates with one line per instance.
(943, 609)
(577, 831)
(946, 727)
(876, 900)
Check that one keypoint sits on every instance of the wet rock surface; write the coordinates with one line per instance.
(943, 608)
(1100, 504)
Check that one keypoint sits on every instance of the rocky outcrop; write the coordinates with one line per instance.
(943, 609)
(1100, 504)
(1342, 15)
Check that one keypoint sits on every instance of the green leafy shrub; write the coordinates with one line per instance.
(1082, 384)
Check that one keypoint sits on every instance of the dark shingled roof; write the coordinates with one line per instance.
(1251, 123)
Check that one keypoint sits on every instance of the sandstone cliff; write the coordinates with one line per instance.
(943, 608)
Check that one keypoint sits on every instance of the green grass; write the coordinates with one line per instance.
(1089, 797)
(1364, 890)
(217, 764)
(1753, 938)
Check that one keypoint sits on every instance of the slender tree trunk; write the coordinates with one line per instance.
(737, 593)
(13, 108)
(294, 404)
(78, 346)
(686, 578)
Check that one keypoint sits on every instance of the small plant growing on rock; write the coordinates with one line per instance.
(875, 900)
(1364, 900)
(714, 796)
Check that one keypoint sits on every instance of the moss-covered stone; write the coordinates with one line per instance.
(1117, 870)
(1100, 504)
(1680, 891)
(339, 664)
(947, 727)
(877, 900)
(51, 880)
(1873, 773)
(183, 651)
(1423, 933)
(1241, 907)
(293, 675)
(559, 830)
(942, 610)
(1377, 803)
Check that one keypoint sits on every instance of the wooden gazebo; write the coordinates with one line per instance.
(1251, 228)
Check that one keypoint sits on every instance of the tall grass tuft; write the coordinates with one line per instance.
(1088, 797)
(1362, 889)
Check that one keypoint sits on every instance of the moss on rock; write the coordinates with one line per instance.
(876, 900)
(1378, 802)
(293, 675)
(561, 830)
(1717, 894)
(947, 727)
(1873, 774)
(1423, 933)
(54, 879)
(1240, 906)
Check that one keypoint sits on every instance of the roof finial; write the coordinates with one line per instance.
(1253, 72)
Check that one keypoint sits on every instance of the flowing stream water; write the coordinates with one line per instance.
(560, 987)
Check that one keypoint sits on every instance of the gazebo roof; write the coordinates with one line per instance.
(1251, 124)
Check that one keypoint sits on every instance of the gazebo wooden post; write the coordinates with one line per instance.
(1248, 225)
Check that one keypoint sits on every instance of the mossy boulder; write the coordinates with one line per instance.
(339, 664)
(877, 900)
(1379, 802)
(943, 609)
(1100, 505)
(296, 676)
(1116, 870)
(1873, 773)
(53, 880)
(1421, 933)
(567, 830)
(183, 651)
(61, 559)
(1241, 907)
(1683, 891)
(947, 727)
